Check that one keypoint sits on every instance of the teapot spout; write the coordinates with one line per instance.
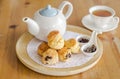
(33, 27)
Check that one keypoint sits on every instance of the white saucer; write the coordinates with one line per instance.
(88, 23)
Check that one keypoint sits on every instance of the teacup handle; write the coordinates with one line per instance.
(116, 19)
(70, 8)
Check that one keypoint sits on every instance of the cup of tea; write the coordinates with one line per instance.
(102, 15)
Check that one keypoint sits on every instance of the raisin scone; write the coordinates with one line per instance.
(50, 57)
(73, 45)
(64, 54)
(42, 48)
(55, 40)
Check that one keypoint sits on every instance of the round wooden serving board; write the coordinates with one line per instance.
(21, 51)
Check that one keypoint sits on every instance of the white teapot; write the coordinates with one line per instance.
(48, 19)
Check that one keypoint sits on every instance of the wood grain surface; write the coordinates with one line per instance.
(12, 27)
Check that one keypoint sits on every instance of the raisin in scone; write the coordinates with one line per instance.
(64, 54)
(50, 57)
(42, 48)
(55, 40)
(73, 45)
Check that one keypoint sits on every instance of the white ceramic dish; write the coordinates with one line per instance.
(91, 48)
(82, 37)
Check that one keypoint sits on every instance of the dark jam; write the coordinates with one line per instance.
(91, 49)
(83, 40)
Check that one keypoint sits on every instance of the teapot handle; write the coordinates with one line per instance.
(70, 8)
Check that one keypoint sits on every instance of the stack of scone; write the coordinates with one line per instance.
(57, 48)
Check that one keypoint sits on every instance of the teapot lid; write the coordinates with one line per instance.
(48, 11)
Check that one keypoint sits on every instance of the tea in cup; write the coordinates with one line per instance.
(101, 15)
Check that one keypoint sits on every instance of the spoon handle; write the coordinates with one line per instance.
(93, 38)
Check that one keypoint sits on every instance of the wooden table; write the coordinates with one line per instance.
(12, 27)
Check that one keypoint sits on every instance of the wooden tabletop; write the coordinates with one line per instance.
(12, 27)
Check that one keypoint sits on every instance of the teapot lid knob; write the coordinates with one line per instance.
(48, 11)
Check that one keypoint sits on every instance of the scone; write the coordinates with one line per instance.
(64, 54)
(42, 48)
(50, 57)
(55, 40)
(73, 45)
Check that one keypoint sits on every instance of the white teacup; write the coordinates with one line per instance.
(102, 15)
